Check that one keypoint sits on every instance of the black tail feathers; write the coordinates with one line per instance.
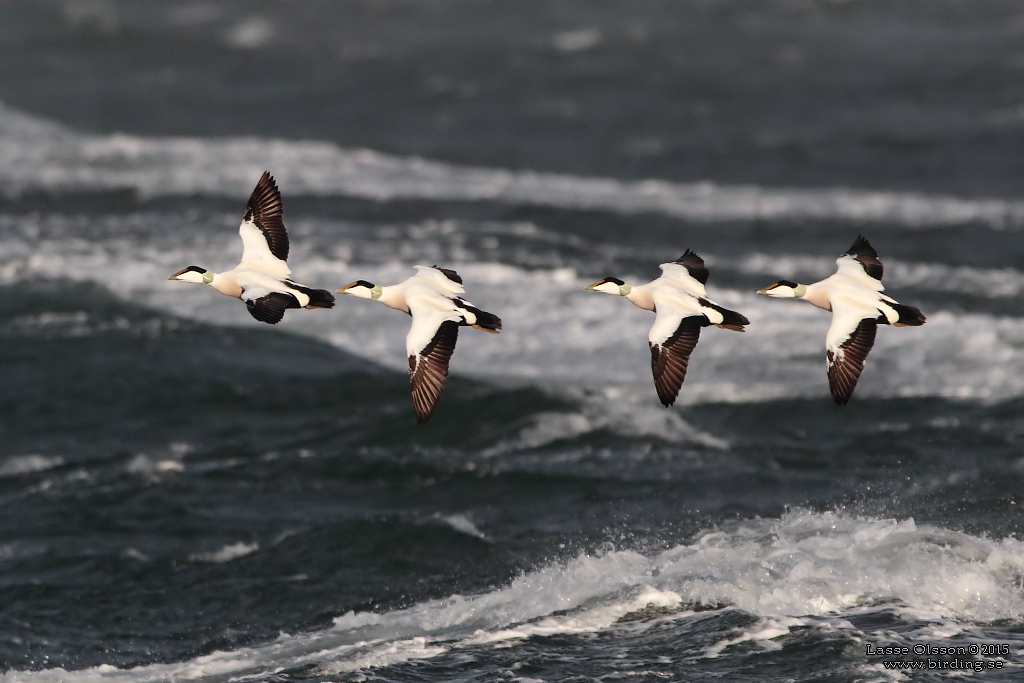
(731, 320)
(488, 322)
(318, 298)
(909, 316)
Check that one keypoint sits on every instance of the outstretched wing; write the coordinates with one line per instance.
(861, 259)
(847, 344)
(264, 238)
(449, 273)
(672, 340)
(428, 367)
(695, 265)
(444, 280)
(685, 276)
(269, 308)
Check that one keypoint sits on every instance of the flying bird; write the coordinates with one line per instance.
(682, 308)
(432, 298)
(261, 280)
(854, 295)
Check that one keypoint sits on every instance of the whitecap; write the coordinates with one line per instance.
(805, 569)
(17, 465)
(463, 524)
(227, 553)
(36, 154)
(152, 467)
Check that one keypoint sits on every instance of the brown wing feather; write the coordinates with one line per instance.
(267, 212)
(844, 371)
(670, 359)
(428, 371)
(864, 253)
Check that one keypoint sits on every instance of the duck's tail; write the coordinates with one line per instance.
(480, 319)
(488, 322)
(731, 320)
(318, 298)
(909, 316)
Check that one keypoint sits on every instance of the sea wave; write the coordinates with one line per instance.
(804, 570)
(37, 154)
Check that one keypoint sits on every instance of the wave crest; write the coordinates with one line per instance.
(41, 155)
(803, 569)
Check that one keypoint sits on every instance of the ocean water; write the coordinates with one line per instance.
(189, 495)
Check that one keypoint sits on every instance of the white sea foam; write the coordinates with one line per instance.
(806, 570)
(41, 155)
(463, 524)
(152, 467)
(764, 632)
(17, 465)
(815, 564)
(231, 551)
(615, 410)
(250, 34)
(587, 619)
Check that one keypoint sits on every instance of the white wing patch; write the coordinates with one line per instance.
(672, 304)
(256, 252)
(252, 293)
(680, 276)
(429, 309)
(847, 344)
(428, 370)
(669, 360)
(666, 322)
(852, 268)
(845, 319)
(439, 280)
(424, 326)
(256, 284)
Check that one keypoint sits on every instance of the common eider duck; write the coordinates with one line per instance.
(682, 308)
(261, 279)
(432, 298)
(854, 295)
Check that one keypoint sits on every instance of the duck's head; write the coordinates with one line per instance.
(784, 289)
(611, 285)
(362, 289)
(196, 274)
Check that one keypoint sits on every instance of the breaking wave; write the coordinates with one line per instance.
(36, 154)
(804, 570)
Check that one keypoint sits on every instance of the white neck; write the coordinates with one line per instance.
(640, 298)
